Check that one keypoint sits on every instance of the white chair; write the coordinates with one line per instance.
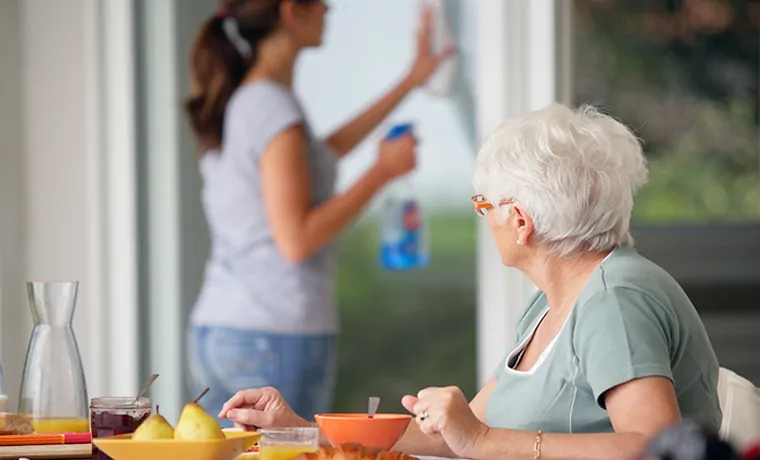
(740, 403)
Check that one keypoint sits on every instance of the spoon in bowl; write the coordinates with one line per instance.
(374, 402)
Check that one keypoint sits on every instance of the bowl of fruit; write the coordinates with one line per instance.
(197, 436)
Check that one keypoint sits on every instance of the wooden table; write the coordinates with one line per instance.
(59, 451)
(80, 451)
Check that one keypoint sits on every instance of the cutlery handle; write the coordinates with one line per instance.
(374, 403)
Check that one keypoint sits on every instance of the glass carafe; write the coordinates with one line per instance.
(53, 388)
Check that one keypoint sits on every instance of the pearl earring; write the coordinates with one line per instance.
(519, 242)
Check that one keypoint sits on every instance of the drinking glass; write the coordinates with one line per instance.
(287, 443)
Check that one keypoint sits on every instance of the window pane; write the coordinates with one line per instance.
(400, 331)
(685, 75)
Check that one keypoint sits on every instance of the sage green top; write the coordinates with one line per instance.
(631, 320)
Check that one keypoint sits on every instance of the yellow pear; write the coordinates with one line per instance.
(195, 424)
(155, 427)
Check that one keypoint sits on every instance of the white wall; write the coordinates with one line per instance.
(60, 147)
(14, 317)
(56, 214)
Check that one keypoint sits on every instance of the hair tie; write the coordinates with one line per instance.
(232, 31)
(222, 13)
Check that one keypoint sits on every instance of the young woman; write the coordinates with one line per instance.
(266, 313)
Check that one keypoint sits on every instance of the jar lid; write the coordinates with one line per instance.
(119, 402)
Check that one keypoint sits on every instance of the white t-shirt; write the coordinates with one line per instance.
(247, 282)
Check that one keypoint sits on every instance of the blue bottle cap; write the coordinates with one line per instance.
(399, 130)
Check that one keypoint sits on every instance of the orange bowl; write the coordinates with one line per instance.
(382, 431)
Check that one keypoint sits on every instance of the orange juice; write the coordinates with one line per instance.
(283, 452)
(61, 425)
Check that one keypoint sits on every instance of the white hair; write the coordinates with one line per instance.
(574, 172)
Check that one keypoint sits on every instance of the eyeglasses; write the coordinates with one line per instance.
(482, 206)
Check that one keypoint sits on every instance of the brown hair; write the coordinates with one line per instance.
(223, 51)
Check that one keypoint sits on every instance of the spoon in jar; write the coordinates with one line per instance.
(145, 387)
(374, 402)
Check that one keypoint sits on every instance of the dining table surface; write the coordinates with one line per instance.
(64, 456)
(76, 452)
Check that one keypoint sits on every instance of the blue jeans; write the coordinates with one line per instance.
(227, 360)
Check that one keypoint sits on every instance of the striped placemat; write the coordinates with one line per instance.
(45, 439)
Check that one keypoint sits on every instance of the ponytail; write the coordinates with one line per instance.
(217, 68)
(223, 52)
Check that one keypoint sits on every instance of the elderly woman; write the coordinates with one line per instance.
(609, 352)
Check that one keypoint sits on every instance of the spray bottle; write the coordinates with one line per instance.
(403, 237)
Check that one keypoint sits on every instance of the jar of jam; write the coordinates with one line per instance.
(114, 416)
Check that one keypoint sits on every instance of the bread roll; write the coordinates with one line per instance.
(15, 424)
(354, 452)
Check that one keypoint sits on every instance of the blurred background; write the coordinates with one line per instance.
(99, 182)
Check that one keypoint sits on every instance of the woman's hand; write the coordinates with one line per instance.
(444, 412)
(427, 61)
(397, 157)
(261, 408)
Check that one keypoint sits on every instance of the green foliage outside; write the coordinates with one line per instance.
(402, 331)
(684, 75)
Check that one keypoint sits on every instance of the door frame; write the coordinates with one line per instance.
(521, 66)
